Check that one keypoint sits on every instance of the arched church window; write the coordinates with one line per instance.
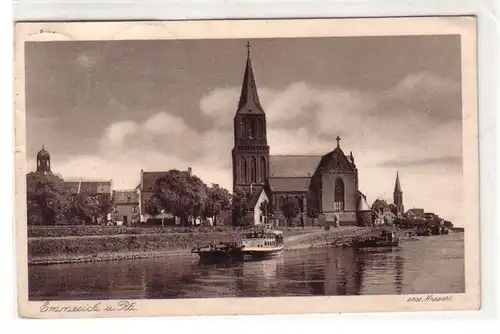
(262, 128)
(339, 198)
(242, 129)
(38, 163)
(250, 128)
(263, 169)
(253, 169)
(244, 170)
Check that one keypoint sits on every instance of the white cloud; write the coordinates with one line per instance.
(424, 84)
(220, 104)
(165, 124)
(116, 133)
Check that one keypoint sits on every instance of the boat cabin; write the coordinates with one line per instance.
(263, 238)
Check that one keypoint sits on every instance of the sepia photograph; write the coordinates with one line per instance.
(264, 162)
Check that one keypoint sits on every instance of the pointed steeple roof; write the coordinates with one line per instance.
(397, 186)
(249, 98)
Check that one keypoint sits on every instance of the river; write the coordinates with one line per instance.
(430, 265)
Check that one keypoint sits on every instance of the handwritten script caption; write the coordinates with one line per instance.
(120, 306)
(429, 299)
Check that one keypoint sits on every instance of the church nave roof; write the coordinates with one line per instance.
(289, 184)
(293, 165)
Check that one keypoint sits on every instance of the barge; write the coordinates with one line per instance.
(385, 239)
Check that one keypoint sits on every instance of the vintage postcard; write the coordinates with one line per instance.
(246, 167)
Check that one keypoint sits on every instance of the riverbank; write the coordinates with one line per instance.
(106, 247)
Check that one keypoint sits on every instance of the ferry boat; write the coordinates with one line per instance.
(260, 243)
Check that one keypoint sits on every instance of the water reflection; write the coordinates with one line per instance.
(431, 265)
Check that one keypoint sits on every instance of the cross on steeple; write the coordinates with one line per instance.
(249, 99)
(338, 141)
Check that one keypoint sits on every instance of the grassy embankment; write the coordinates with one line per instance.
(68, 244)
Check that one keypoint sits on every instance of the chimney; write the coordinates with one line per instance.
(142, 179)
(190, 170)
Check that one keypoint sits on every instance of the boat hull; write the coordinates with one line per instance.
(376, 243)
(239, 255)
(256, 254)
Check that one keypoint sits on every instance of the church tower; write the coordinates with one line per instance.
(398, 196)
(250, 155)
(43, 161)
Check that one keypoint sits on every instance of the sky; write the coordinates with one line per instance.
(107, 109)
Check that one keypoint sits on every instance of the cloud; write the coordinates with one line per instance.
(116, 134)
(160, 142)
(446, 161)
(424, 84)
(166, 124)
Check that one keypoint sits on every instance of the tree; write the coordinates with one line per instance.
(152, 206)
(80, 209)
(88, 209)
(393, 208)
(265, 208)
(380, 205)
(181, 194)
(104, 206)
(219, 199)
(46, 199)
(240, 207)
(290, 209)
(312, 213)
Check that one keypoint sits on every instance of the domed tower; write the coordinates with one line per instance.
(43, 161)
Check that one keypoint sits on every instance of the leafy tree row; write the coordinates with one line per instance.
(49, 201)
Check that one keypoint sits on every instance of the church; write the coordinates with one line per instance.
(324, 185)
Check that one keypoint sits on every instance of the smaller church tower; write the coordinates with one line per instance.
(398, 196)
(43, 161)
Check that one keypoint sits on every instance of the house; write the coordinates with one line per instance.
(415, 213)
(125, 207)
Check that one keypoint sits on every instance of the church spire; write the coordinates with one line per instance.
(249, 98)
(397, 186)
(398, 197)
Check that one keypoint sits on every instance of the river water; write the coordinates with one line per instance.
(430, 265)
